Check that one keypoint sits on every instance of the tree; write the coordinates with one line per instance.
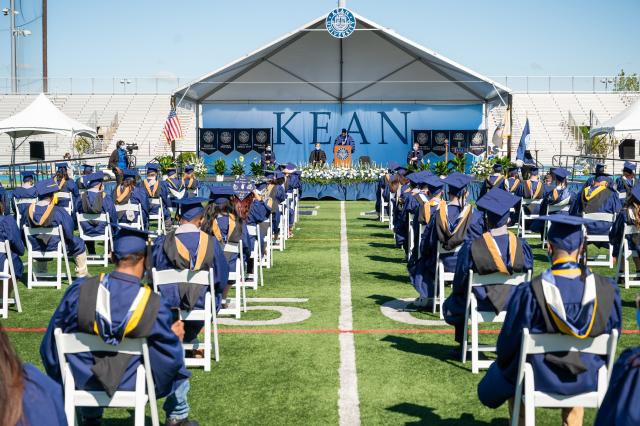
(626, 83)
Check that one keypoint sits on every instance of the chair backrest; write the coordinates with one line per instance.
(20, 201)
(517, 278)
(441, 250)
(233, 247)
(172, 276)
(86, 217)
(253, 230)
(604, 217)
(553, 208)
(128, 207)
(630, 230)
(52, 230)
(65, 195)
(155, 201)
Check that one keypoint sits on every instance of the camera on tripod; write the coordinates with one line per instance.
(131, 147)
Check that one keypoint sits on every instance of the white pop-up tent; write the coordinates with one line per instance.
(39, 118)
(623, 124)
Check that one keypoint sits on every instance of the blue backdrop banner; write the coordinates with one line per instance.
(381, 131)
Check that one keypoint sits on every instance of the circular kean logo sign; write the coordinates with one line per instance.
(341, 23)
(342, 154)
(208, 136)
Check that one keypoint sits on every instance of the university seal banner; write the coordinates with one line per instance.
(381, 131)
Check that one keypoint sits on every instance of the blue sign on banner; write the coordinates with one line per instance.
(381, 131)
(341, 23)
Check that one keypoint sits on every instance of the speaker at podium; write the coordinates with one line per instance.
(342, 156)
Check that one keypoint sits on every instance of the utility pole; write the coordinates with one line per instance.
(12, 17)
(45, 73)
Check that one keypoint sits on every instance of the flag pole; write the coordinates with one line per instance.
(173, 142)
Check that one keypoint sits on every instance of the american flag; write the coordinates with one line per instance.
(172, 129)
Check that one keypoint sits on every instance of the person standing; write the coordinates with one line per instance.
(627, 181)
(414, 157)
(118, 161)
(344, 139)
(318, 157)
(268, 158)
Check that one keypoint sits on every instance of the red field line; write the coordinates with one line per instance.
(316, 331)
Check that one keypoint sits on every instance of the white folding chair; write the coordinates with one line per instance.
(255, 273)
(630, 280)
(604, 345)
(159, 217)
(384, 205)
(17, 202)
(267, 241)
(8, 278)
(622, 196)
(516, 225)
(296, 201)
(288, 207)
(476, 316)
(600, 260)
(192, 192)
(106, 238)
(237, 276)
(207, 314)
(524, 217)
(284, 221)
(410, 235)
(35, 279)
(74, 343)
(132, 210)
(391, 204)
(552, 209)
(282, 229)
(66, 196)
(441, 278)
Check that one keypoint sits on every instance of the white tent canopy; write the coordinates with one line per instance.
(374, 64)
(628, 121)
(43, 117)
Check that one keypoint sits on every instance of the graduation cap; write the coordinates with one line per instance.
(513, 169)
(496, 203)
(629, 167)
(61, 166)
(191, 207)
(188, 168)
(129, 173)
(220, 194)
(434, 184)
(565, 231)
(171, 171)
(635, 192)
(128, 240)
(560, 173)
(419, 178)
(93, 179)
(601, 170)
(46, 187)
(289, 168)
(28, 174)
(154, 167)
(242, 187)
(457, 182)
(274, 174)
(497, 168)
(533, 170)
(87, 168)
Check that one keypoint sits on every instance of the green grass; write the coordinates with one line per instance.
(292, 378)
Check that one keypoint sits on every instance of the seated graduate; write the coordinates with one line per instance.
(620, 405)
(44, 213)
(175, 187)
(403, 192)
(65, 184)
(601, 170)
(128, 193)
(222, 222)
(455, 222)
(629, 215)
(274, 195)
(95, 201)
(27, 396)
(566, 299)
(627, 181)
(87, 169)
(249, 206)
(318, 158)
(597, 198)
(291, 182)
(560, 197)
(513, 184)
(497, 250)
(187, 247)
(9, 231)
(189, 180)
(382, 187)
(533, 189)
(25, 191)
(127, 309)
(413, 200)
(495, 179)
(154, 188)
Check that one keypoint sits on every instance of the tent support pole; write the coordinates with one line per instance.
(510, 99)
(340, 97)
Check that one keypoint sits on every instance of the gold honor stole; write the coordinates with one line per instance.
(494, 251)
(538, 189)
(444, 219)
(152, 193)
(516, 182)
(497, 182)
(45, 215)
(202, 249)
(216, 229)
(62, 182)
(426, 207)
(122, 194)
(188, 186)
(589, 196)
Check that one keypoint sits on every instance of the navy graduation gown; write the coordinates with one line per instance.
(622, 183)
(612, 204)
(161, 193)
(165, 349)
(223, 224)
(553, 197)
(20, 193)
(175, 190)
(454, 306)
(617, 232)
(620, 406)
(58, 216)
(524, 311)
(9, 231)
(279, 196)
(71, 187)
(42, 399)
(96, 229)
(399, 222)
(138, 196)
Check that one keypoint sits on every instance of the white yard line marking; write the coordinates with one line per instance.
(348, 402)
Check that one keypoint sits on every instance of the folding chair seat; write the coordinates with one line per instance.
(391, 204)
(604, 345)
(37, 279)
(66, 196)
(17, 202)
(524, 217)
(282, 229)
(384, 205)
(630, 280)
(237, 276)
(254, 272)
(207, 314)
(158, 217)
(476, 316)
(132, 210)
(267, 242)
(74, 343)
(411, 235)
(106, 238)
(441, 278)
(296, 203)
(600, 260)
(8, 278)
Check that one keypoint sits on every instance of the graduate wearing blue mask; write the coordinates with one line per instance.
(628, 180)
(497, 250)
(95, 201)
(567, 299)
(129, 301)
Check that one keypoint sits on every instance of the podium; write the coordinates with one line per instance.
(342, 156)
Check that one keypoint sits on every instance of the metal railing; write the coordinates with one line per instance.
(581, 165)
(46, 169)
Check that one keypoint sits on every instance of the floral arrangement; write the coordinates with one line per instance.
(199, 168)
(328, 175)
(482, 168)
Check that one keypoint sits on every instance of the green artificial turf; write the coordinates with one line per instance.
(291, 377)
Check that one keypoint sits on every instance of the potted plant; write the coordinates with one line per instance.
(220, 166)
(166, 162)
(237, 167)
(440, 168)
(256, 168)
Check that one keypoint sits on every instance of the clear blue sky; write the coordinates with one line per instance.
(192, 37)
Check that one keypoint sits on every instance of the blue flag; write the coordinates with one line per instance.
(524, 141)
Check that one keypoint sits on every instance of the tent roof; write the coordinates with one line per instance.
(43, 117)
(378, 65)
(627, 121)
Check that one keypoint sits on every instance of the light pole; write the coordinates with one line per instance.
(606, 81)
(12, 12)
(124, 83)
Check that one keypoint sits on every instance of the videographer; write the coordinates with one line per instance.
(118, 160)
